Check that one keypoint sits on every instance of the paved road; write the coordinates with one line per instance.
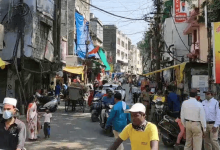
(75, 131)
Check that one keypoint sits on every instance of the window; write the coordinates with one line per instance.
(126, 46)
(41, 40)
(126, 56)
(119, 41)
(118, 53)
(122, 44)
(122, 55)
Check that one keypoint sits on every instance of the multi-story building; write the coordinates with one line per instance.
(117, 46)
(135, 60)
(96, 30)
(35, 61)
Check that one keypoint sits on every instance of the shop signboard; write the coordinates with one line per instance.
(199, 81)
(180, 10)
(216, 51)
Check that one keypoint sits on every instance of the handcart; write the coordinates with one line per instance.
(75, 99)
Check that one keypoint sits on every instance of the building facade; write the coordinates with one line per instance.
(135, 61)
(32, 46)
(117, 46)
(96, 30)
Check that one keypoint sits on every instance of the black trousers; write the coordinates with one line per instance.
(135, 98)
(46, 128)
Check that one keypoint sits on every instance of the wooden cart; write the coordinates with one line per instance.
(75, 99)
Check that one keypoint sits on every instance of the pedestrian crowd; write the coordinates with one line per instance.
(198, 121)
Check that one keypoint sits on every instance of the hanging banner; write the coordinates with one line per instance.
(180, 11)
(216, 51)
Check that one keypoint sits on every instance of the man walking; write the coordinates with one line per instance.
(143, 135)
(12, 130)
(211, 107)
(193, 119)
(118, 118)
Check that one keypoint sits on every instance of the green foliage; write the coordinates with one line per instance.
(213, 11)
(167, 8)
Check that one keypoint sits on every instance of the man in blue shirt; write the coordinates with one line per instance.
(118, 118)
(173, 102)
(107, 100)
(57, 92)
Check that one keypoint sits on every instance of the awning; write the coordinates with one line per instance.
(3, 63)
(75, 69)
(150, 73)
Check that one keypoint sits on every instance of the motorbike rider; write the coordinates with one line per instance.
(158, 97)
(106, 101)
(12, 130)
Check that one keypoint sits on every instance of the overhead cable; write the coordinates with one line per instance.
(111, 13)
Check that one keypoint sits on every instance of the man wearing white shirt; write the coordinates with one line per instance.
(193, 119)
(211, 107)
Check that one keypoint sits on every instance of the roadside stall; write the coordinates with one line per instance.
(187, 75)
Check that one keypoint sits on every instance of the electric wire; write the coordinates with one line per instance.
(182, 39)
(111, 13)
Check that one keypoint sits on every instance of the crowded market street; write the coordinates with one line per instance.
(75, 131)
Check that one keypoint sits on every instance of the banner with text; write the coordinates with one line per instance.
(180, 10)
(216, 51)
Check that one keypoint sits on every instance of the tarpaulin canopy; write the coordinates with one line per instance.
(3, 63)
(82, 33)
(157, 71)
(75, 70)
(95, 50)
(104, 59)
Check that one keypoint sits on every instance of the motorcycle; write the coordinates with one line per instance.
(109, 131)
(46, 102)
(169, 130)
(96, 108)
(158, 112)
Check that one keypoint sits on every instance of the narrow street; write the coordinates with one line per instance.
(75, 131)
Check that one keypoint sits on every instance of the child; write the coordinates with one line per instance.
(47, 117)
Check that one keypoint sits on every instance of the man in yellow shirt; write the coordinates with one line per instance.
(143, 135)
(159, 97)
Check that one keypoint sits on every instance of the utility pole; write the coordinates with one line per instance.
(87, 50)
(209, 34)
(157, 41)
(22, 86)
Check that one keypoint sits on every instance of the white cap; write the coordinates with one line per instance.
(138, 107)
(10, 101)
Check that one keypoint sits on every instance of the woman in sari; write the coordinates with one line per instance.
(32, 118)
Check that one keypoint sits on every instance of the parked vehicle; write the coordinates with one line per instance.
(169, 130)
(46, 102)
(116, 88)
(109, 131)
(96, 108)
(159, 111)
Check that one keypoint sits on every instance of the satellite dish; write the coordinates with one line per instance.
(60, 73)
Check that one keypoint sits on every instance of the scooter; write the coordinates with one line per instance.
(109, 131)
(159, 111)
(96, 108)
(46, 102)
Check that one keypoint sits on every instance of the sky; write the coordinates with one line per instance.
(127, 8)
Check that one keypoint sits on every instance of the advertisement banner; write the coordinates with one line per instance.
(216, 51)
(180, 11)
